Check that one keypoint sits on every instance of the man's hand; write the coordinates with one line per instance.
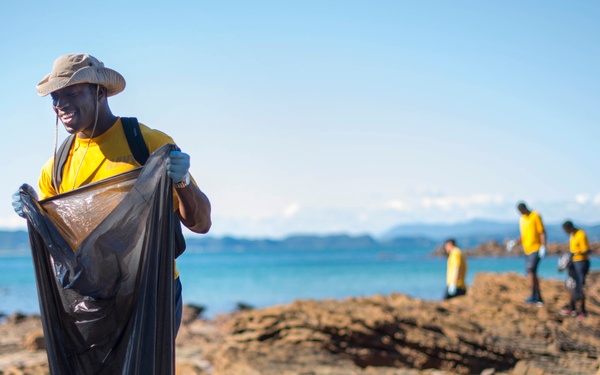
(542, 251)
(451, 289)
(17, 203)
(178, 166)
(510, 245)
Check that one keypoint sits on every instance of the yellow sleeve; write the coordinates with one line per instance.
(154, 138)
(45, 186)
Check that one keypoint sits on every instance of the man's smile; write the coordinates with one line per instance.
(67, 117)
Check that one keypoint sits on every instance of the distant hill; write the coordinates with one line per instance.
(468, 235)
(14, 240)
(475, 232)
(19, 241)
(297, 242)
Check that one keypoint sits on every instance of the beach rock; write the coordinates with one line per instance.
(190, 313)
(490, 330)
(34, 340)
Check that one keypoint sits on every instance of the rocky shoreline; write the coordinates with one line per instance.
(497, 249)
(488, 331)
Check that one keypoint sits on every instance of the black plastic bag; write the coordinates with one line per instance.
(103, 257)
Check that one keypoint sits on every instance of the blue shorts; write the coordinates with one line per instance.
(532, 262)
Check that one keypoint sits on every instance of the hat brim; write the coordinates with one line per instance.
(112, 80)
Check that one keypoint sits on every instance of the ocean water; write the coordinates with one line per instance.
(220, 280)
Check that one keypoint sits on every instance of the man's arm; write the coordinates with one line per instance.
(456, 273)
(194, 208)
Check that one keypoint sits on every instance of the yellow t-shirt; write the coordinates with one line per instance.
(579, 245)
(456, 259)
(107, 155)
(531, 230)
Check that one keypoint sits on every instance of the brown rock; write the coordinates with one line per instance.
(190, 313)
(490, 330)
(34, 340)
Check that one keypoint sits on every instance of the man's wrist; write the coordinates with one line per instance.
(184, 182)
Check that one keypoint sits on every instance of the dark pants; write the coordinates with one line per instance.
(578, 271)
(178, 304)
(531, 266)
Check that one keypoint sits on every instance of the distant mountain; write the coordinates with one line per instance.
(297, 242)
(14, 240)
(468, 235)
(19, 241)
(475, 232)
(442, 231)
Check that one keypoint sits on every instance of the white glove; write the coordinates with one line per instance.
(510, 245)
(452, 289)
(542, 251)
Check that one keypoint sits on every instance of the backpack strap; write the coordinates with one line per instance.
(140, 153)
(59, 161)
(135, 140)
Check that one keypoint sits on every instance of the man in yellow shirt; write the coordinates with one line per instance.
(533, 239)
(80, 85)
(578, 269)
(456, 270)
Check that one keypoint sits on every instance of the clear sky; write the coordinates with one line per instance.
(333, 116)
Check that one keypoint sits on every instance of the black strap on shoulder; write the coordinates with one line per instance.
(140, 152)
(59, 161)
(135, 140)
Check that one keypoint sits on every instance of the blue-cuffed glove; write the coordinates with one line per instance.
(451, 289)
(17, 203)
(542, 251)
(178, 166)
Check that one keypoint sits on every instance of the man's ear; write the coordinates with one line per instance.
(102, 93)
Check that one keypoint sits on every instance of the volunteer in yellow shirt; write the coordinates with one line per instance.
(578, 269)
(456, 270)
(80, 85)
(533, 239)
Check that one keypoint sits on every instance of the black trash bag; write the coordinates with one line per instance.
(103, 257)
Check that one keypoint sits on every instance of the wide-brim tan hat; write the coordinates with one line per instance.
(80, 68)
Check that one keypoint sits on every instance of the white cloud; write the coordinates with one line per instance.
(596, 200)
(13, 222)
(397, 205)
(291, 210)
(462, 202)
(582, 198)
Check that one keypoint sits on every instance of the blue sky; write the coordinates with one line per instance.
(338, 116)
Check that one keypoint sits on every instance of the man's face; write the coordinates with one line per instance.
(75, 106)
(448, 247)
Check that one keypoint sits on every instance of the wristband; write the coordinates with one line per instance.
(183, 183)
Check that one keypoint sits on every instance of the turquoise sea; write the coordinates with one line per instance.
(220, 280)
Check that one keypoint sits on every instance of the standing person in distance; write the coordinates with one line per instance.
(578, 269)
(533, 239)
(456, 270)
